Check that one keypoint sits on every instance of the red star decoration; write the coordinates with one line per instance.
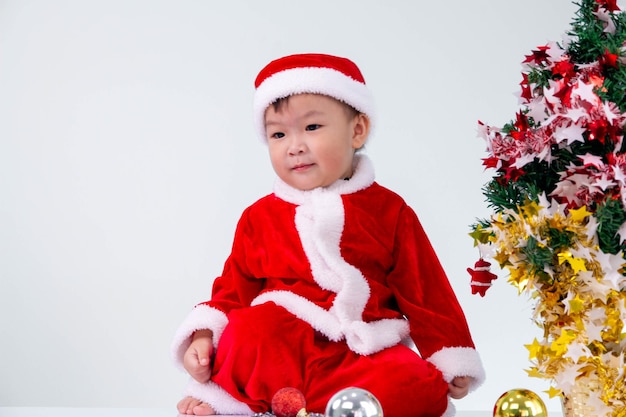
(521, 122)
(526, 93)
(610, 5)
(491, 162)
(565, 69)
(609, 59)
(602, 131)
(537, 56)
(512, 174)
(564, 93)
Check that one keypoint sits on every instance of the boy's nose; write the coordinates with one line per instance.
(297, 145)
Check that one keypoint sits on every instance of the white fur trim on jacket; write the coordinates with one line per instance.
(361, 337)
(215, 396)
(200, 318)
(459, 361)
(319, 220)
(362, 177)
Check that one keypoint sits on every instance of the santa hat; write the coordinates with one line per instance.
(329, 75)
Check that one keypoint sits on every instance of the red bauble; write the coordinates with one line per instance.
(288, 402)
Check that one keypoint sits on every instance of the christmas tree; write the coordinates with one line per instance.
(558, 197)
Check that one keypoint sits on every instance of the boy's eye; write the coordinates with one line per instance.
(313, 127)
(277, 135)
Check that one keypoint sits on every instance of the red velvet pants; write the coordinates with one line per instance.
(265, 348)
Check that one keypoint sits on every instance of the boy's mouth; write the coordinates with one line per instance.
(301, 167)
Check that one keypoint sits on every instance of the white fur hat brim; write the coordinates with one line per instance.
(313, 80)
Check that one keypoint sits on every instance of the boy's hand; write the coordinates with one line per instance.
(197, 357)
(459, 387)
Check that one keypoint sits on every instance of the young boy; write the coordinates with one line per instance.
(330, 276)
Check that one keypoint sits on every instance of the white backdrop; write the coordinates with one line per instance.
(127, 154)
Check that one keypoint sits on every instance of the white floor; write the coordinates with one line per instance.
(144, 412)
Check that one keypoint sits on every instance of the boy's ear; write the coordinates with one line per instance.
(360, 131)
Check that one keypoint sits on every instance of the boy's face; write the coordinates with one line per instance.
(312, 139)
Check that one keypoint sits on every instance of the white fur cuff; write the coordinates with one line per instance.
(459, 361)
(200, 318)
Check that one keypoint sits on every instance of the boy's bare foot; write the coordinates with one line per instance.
(192, 406)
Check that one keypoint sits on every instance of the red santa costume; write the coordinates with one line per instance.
(325, 289)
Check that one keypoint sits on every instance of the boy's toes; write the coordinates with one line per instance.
(182, 405)
(203, 409)
(187, 404)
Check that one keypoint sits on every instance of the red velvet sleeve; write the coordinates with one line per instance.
(423, 292)
(236, 287)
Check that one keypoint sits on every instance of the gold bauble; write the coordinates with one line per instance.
(519, 402)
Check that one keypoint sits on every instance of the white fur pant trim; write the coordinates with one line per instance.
(215, 396)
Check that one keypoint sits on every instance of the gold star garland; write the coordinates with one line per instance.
(580, 302)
